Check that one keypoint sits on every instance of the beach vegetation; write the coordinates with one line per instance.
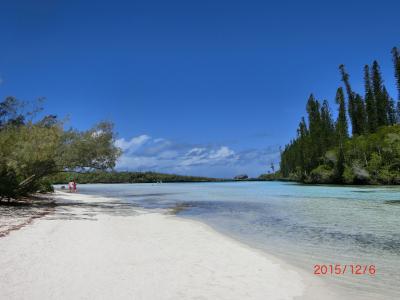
(33, 148)
(325, 152)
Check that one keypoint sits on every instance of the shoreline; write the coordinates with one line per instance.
(108, 255)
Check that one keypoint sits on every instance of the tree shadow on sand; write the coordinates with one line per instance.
(16, 215)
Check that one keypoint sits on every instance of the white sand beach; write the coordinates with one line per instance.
(144, 256)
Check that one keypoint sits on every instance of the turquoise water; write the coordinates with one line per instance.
(304, 225)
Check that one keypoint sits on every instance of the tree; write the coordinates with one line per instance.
(351, 99)
(370, 155)
(327, 127)
(379, 94)
(31, 151)
(315, 131)
(396, 62)
(392, 115)
(360, 115)
(314, 116)
(398, 112)
(369, 102)
(340, 165)
(341, 126)
(92, 149)
(10, 112)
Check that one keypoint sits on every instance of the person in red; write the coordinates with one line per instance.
(74, 186)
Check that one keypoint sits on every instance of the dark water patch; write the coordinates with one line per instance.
(392, 202)
(318, 235)
(180, 208)
(156, 203)
(262, 220)
(146, 195)
(237, 206)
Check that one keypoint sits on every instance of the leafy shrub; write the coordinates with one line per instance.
(322, 174)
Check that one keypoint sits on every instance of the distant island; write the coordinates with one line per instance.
(324, 151)
(113, 176)
(126, 177)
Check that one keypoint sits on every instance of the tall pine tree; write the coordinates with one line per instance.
(314, 116)
(302, 131)
(341, 129)
(360, 115)
(304, 155)
(302, 141)
(380, 97)
(315, 130)
(396, 62)
(392, 114)
(370, 104)
(398, 112)
(341, 126)
(351, 101)
(327, 127)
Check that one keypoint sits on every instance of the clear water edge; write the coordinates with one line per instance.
(303, 225)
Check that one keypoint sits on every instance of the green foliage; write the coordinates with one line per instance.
(396, 63)
(348, 175)
(123, 177)
(369, 101)
(322, 174)
(341, 126)
(91, 149)
(339, 166)
(31, 151)
(391, 110)
(371, 155)
(380, 94)
(271, 176)
(351, 97)
(8, 182)
(306, 152)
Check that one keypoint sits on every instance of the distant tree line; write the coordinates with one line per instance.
(32, 149)
(325, 152)
(124, 177)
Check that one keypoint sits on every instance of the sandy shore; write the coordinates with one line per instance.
(86, 254)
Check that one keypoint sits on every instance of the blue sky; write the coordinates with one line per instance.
(195, 87)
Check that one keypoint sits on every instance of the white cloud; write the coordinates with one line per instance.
(133, 144)
(222, 153)
(204, 156)
(157, 154)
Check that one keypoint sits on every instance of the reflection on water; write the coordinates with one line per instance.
(305, 225)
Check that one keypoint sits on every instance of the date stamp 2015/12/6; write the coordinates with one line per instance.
(339, 269)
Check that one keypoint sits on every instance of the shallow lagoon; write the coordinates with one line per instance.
(302, 224)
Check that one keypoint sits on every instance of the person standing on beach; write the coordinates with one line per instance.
(74, 186)
(70, 186)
